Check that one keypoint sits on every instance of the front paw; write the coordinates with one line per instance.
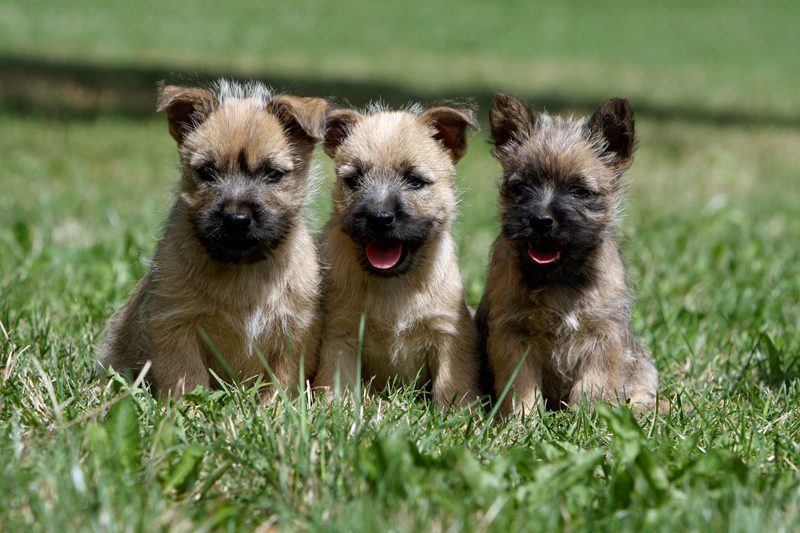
(522, 402)
(459, 399)
(592, 391)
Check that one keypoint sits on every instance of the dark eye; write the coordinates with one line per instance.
(415, 182)
(352, 180)
(207, 173)
(515, 188)
(273, 175)
(581, 192)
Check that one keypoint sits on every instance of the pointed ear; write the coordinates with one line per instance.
(450, 125)
(186, 107)
(338, 126)
(302, 116)
(613, 121)
(510, 118)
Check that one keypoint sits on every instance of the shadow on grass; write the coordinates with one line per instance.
(72, 90)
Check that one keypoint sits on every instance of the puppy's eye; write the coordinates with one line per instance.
(206, 173)
(415, 182)
(514, 188)
(273, 175)
(581, 192)
(352, 180)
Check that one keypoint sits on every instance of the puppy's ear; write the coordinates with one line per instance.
(510, 119)
(186, 107)
(338, 126)
(613, 122)
(450, 125)
(301, 116)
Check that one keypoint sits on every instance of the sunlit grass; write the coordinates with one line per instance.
(706, 237)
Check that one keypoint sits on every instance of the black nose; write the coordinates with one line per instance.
(380, 219)
(237, 219)
(542, 222)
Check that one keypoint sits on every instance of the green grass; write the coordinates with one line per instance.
(710, 237)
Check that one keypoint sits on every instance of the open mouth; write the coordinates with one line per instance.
(543, 253)
(384, 253)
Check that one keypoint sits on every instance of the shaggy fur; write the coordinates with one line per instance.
(556, 288)
(396, 184)
(236, 259)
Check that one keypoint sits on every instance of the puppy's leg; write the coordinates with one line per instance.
(600, 376)
(126, 342)
(454, 368)
(284, 364)
(179, 360)
(641, 380)
(285, 367)
(310, 353)
(338, 355)
(506, 352)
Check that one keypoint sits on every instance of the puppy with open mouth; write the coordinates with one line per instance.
(388, 254)
(555, 317)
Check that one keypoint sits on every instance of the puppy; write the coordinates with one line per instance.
(390, 256)
(236, 260)
(557, 305)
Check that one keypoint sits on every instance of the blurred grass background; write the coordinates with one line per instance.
(711, 232)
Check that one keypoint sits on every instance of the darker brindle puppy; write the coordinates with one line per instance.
(556, 289)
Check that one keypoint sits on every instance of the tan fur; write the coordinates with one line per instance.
(241, 307)
(574, 341)
(417, 324)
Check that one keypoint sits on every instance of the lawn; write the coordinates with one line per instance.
(711, 237)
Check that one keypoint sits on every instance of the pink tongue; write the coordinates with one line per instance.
(384, 253)
(543, 257)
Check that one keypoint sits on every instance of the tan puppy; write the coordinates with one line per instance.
(236, 258)
(556, 288)
(389, 253)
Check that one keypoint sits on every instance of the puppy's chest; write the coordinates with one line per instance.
(556, 337)
(550, 321)
(237, 333)
(399, 344)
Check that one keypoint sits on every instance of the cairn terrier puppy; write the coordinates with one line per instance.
(388, 253)
(557, 305)
(236, 260)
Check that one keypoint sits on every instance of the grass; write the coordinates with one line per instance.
(710, 237)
